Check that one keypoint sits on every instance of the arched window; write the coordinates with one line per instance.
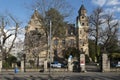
(56, 42)
(83, 24)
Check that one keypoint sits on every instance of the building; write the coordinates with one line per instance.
(82, 25)
(37, 43)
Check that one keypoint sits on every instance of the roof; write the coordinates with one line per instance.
(36, 14)
(81, 8)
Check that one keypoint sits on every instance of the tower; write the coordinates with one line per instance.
(82, 30)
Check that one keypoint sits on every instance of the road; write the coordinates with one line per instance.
(60, 76)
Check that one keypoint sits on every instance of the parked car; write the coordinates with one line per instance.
(56, 65)
(118, 65)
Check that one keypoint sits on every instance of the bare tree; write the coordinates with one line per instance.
(60, 5)
(103, 29)
(96, 20)
(7, 32)
(109, 32)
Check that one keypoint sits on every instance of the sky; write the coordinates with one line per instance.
(18, 8)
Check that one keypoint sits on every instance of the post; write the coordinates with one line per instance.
(45, 65)
(82, 63)
(105, 63)
(70, 64)
(0, 62)
(22, 65)
(50, 46)
(24, 58)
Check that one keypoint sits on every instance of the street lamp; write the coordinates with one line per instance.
(24, 59)
(50, 46)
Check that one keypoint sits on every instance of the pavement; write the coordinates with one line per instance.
(60, 76)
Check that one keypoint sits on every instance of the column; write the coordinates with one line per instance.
(0, 65)
(0, 62)
(22, 66)
(45, 65)
(82, 62)
(105, 63)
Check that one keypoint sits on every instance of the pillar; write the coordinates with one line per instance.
(70, 65)
(0, 65)
(22, 66)
(105, 63)
(0, 62)
(82, 62)
(45, 65)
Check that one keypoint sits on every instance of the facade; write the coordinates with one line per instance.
(37, 44)
(36, 47)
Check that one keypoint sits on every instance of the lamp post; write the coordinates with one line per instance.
(24, 58)
(50, 47)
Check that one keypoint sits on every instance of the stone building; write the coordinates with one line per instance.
(82, 25)
(36, 42)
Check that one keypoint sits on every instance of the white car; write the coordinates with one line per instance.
(118, 65)
(56, 65)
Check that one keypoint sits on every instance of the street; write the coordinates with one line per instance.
(60, 76)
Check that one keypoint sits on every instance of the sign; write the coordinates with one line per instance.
(82, 59)
(82, 62)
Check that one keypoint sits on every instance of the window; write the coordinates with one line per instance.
(36, 29)
(56, 41)
(83, 24)
(82, 17)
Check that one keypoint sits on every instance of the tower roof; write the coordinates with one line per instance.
(81, 8)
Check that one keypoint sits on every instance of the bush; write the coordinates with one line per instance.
(6, 65)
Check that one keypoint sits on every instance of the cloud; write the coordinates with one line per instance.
(113, 2)
(106, 2)
(116, 8)
(111, 6)
(99, 2)
(112, 9)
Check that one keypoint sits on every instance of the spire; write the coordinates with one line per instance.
(82, 10)
(36, 14)
(82, 7)
(82, 1)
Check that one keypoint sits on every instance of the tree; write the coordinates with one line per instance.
(34, 40)
(71, 51)
(58, 24)
(103, 29)
(10, 59)
(108, 35)
(6, 32)
(47, 8)
(92, 49)
(34, 43)
(45, 5)
(96, 21)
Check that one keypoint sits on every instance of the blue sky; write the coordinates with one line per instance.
(18, 7)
